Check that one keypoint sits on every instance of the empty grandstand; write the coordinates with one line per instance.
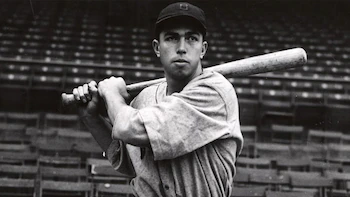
(295, 122)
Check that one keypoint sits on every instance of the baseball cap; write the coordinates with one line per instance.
(182, 9)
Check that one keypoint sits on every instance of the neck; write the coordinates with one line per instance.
(176, 85)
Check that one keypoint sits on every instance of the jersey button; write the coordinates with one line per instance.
(166, 187)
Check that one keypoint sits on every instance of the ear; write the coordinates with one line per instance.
(204, 49)
(155, 45)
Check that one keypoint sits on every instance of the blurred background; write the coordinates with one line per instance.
(295, 122)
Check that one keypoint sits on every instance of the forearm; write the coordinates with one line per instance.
(127, 124)
(99, 129)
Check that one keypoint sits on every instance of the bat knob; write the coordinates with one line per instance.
(67, 99)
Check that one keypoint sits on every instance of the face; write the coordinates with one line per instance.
(180, 49)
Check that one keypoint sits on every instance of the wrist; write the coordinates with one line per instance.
(89, 116)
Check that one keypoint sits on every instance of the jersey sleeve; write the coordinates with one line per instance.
(118, 156)
(186, 121)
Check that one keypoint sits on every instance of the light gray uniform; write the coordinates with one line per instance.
(195, 138)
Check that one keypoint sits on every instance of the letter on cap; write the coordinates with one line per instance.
(183, 6)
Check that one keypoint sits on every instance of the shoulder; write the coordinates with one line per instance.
(147, 96)
(214, 81)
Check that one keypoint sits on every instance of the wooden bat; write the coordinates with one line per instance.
(259, 64)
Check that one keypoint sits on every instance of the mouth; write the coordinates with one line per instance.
(181, 61)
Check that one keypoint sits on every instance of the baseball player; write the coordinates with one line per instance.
(177, 138)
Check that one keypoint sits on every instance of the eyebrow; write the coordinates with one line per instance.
(172, 33)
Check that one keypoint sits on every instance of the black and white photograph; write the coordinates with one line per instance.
(165, 98)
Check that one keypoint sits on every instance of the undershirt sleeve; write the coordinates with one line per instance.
(118, 156)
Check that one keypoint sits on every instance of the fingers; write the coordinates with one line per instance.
(85, 92)
(76, 94)
(92, 86)
(81, 94)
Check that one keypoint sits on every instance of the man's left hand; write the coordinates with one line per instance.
(113, 88)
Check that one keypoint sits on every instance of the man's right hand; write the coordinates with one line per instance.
(89, 99)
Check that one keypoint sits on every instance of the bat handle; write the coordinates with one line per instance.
(133, 90)
(68, 99)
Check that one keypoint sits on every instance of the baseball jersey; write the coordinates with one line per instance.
(194, 137)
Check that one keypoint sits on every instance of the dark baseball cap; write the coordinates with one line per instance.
(182, 9)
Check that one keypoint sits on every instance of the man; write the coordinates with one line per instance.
(177, 138)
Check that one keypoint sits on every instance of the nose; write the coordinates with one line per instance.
(181, 49)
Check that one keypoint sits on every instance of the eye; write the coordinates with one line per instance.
(170, 38)
(193, 38)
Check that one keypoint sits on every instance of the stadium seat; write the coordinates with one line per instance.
(28, 119)
(248, 106)
(240, 82)
(293, 164)
(247, 94)
(298, 86)
(288, 194)
(256, 171)
(53, 146)
(329, 88)
(75, 81)
(249, 133)
(323, 137)
(18, 171)
(289, 134)
(311, 151)
(85, 149)
(81, 72)
(338, 153)
(15, 147)
(251, 191)
(337, 109)
(71, 135)
(272, 181)
(16, 187)
(13, 133)
(345, 139)
(272, 150)
(253, 162)
(101, 171)
(18, 158)
(2, 117)
(241, 178)
(109, 190)
(16, 88)
(339, 192)
(309, 181)
(276, 107)
(59, 161)
(263, 84)
(47, 82)
(309, 109)
(322, 166)
(48, 70)
(63, 188)
(63, 174)
(250, 138)
(61, 120)
(340, 179)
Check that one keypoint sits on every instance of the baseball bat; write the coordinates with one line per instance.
(253, 65)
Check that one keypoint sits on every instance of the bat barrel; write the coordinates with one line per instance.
(280, 60)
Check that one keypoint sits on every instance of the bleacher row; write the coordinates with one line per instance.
(318, 165)
(54, 158)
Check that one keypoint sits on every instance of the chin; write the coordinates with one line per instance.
(179, 76)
